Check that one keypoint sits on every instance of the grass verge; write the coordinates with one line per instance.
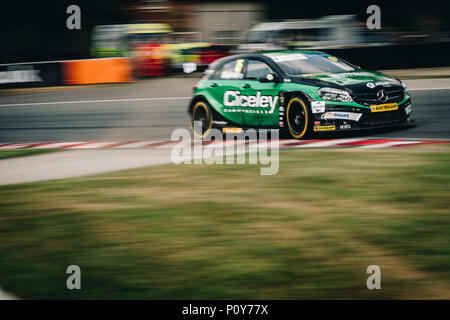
(221, 232)
(6, 154)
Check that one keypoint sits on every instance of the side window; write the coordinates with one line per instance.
(257, 69)
(232, 70)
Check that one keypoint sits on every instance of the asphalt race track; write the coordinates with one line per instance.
(152, 109)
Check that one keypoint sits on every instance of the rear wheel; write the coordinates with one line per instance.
(201, 119)
(298, 118)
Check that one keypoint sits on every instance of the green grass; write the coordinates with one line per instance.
(222, 232)
(6, 154)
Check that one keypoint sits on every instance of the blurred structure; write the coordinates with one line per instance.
(118, 40)
(219, 22)
(226, 22)
(158, 36)
(185, 47)
(209, 30)
(335, 31)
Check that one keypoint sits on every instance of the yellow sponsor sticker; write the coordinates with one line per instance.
(384, 107)
(239, 65)
(231, 130)
(324, 128)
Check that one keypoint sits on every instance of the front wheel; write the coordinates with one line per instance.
(298, 118)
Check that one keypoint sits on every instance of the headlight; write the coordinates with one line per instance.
(333, 94)
(403, 84)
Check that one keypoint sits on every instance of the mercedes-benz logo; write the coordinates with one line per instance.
(382, 96)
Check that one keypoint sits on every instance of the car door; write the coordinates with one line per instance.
(223, 87)
(263, 97)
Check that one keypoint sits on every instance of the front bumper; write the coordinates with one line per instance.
(347, 118)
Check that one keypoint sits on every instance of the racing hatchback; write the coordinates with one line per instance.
(300, 92)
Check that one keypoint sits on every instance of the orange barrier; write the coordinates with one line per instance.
(90, 71)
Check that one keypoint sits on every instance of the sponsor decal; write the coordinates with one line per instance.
(317, 106)
(351, 74)
(281, 114)
(342, 115)
(384, 107)
(235, 99)
(232, 130)
(344, 126)
(16, 76)
(316, 123)
(408, 109)
(239, 65)
(325, 128)
(333, 58)
(372, 85)
(220, 122)
(289, 57)
(31, 75)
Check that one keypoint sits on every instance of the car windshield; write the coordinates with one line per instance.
(296, 64)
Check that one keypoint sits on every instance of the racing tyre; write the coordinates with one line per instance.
(298, 118)
(201, 114)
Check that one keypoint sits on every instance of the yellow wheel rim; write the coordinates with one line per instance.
(297, 136)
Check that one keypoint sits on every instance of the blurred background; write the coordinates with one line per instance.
(158, 36)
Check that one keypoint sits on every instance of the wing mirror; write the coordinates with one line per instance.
(270, 77)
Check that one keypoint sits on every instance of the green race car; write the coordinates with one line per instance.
(300, 92)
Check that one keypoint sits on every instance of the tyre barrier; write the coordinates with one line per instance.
(93, 71)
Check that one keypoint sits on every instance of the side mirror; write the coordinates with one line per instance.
(270, 77)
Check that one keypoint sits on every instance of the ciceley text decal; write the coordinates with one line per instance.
(236, 99)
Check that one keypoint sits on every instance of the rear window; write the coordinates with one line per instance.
(231, 70)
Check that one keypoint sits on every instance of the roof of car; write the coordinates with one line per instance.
(267, 54)
(289, 52)
(271, 57)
